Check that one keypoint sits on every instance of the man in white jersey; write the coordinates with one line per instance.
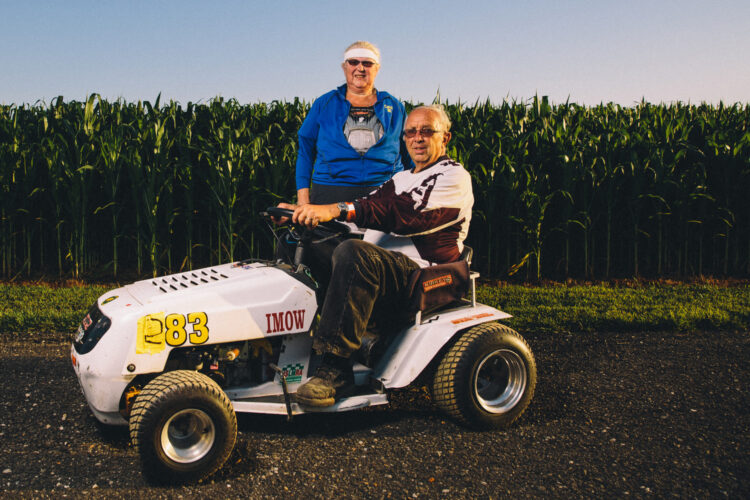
(418, 218)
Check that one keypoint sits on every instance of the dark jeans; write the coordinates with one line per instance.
(366, 282)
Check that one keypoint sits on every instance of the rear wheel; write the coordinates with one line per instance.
(183, 426)
(487, 378)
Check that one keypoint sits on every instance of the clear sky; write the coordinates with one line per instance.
(258, 51)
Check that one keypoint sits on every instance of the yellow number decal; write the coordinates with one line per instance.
(176, 334)
(150, 338)
(200, 327)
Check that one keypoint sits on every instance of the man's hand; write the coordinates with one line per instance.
(311, 215)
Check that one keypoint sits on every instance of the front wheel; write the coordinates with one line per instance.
(487, 378)
(183, 427)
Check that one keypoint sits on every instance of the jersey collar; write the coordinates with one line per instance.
(442, 158)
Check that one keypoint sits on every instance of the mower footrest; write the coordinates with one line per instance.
(276, 406)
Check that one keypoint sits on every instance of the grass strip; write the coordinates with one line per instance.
(46, 312)
(604, 307)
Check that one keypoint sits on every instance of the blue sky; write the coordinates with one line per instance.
(587, 51)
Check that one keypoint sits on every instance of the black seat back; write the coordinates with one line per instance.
(436, 286)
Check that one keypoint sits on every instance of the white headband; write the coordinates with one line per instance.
(361, 52)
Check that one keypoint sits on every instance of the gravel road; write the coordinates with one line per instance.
(615, 415)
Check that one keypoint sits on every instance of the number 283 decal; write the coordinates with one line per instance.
(157, 330)
(176, 333)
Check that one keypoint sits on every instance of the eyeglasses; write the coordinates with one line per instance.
(424, 132)
(356, 62)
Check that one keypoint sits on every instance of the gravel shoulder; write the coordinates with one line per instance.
(634, 414)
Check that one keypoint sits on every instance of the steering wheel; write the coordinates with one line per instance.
(332, 226)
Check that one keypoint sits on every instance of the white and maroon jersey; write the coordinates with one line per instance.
(424, 215)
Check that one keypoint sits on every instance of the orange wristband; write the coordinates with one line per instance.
(350, 212)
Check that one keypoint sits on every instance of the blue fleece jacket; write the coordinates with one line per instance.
(326, 157)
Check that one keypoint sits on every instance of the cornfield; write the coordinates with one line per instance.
(105, 189)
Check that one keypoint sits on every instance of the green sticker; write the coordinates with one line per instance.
(292, 373)
(109, 299)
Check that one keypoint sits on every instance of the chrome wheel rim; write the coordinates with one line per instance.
(500, 381)
(188, 436)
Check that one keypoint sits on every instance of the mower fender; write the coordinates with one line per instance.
(411, 352)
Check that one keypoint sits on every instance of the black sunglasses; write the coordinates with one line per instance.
(424, 132)
(356, 62)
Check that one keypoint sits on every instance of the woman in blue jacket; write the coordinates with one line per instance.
(350, 141)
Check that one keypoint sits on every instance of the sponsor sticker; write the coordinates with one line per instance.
(438, 282)
(79, 334)
(293, 373)
(469, 318)
(109, 299)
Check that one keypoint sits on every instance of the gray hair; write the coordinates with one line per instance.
(443, 121)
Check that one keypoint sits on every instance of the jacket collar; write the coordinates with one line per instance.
(341, 91)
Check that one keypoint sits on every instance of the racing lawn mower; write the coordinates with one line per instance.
(176, 357)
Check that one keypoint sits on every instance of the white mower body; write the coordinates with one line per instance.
(259, 314)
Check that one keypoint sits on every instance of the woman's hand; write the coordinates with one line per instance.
(283, 220)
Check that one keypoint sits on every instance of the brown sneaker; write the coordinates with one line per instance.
(326, 386)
